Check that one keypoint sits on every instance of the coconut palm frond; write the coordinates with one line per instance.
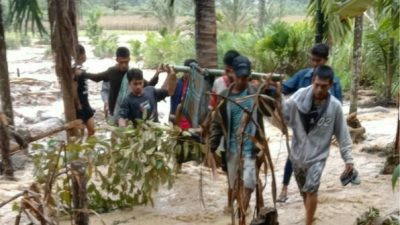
(25, 14)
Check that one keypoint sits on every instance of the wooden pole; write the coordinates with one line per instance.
(217, 72)
(81, 214)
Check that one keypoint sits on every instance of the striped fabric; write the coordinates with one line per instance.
(195, 103)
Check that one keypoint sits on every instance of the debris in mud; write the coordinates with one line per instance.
(29, 91)
(267, 216)
(356, 130)
(391, 163)
(380, 150)
(372, 217)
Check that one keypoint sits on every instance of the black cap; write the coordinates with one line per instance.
(242, 66)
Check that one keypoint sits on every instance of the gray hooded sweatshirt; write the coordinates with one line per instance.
(309, 148)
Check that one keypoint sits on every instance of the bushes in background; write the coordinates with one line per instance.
(104, 45)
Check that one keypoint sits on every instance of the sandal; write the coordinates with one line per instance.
(282, 199)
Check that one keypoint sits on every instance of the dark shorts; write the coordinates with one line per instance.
(308, 179)
(85, 114)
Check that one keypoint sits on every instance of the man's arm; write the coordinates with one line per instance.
(342, 134)
(154, 79)
(290, 86)
(103, 76)
(170, 82)
(216, 133)
(123, 113)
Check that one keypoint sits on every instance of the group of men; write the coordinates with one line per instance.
(314, 113)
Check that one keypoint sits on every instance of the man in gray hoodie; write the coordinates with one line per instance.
(315, 117)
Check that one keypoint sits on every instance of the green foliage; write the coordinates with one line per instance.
(122, 171)
(22, 12)
(106, 46)
(369, 217)
(395, 176)
(285, 46)
(335, 28)
(44, 40)
(340, 60)
(164, 12)
(13, 41)
(165, 47)
(381, 47)
(136, 49)
(93, 30)
(235, 14)
(16, 40)
(25, 40)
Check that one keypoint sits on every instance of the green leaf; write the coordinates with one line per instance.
(15, 206)
(65, 196)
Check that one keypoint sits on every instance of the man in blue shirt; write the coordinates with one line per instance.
(303, 78)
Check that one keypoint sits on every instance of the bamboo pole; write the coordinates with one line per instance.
(218, 72)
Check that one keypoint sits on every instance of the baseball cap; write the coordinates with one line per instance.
(241, 66)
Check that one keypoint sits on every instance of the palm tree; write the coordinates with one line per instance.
(5, 104)
(356, 69)
(237, 14)
(206, 33)
(21, 12)
(331, 27)
(261, 15)
(165, 13)
(62, 17)
(388, 11)
(4, 79)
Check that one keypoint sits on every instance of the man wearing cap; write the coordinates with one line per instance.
(226, 124)
(315, 116)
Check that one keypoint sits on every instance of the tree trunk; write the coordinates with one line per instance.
(261, 16)
(79, 199)
(390, 68)
(64, 38)
(356, 70)
(397, 140)
(320, 23)
(5, 96)
(5, 148)
(206, 33)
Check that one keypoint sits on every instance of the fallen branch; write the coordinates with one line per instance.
(47, 133)
(12, 198)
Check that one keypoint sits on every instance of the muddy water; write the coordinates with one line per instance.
(181, 205)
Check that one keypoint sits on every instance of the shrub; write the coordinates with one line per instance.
(13, 41)
(122, 171)
(136, 50)
(25, 40)
(93, 30)
(283, 46)
(105, 47)
(44, 40)
(340, 60)
(172, 48)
